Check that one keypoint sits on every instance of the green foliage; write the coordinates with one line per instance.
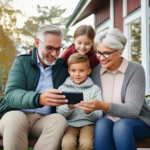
(1, 96)
(47, 15)
(9, 36)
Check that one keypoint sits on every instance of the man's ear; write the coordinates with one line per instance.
(37, 43)
(89, 71)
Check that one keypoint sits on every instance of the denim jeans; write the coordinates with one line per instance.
(120, 135)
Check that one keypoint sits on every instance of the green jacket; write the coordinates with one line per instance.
(23, 80)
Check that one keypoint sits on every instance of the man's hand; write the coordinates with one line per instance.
(71, 106)
(51, 97)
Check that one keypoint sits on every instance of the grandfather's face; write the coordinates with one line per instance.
(49, 40)
(112, 61)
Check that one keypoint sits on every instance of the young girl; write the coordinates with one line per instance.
(83, 43)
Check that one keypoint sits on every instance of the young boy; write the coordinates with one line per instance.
(79, 122)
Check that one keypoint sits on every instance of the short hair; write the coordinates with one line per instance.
(77, 58)
(49, 29)
(112, 38)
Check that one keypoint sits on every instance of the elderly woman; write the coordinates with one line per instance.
(126, 114)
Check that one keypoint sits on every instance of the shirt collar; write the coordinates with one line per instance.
(122, 67)
(38, 61)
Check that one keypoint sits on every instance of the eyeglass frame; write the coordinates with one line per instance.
(103, 53)
(51, 46)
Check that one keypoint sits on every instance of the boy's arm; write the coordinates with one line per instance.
(64, 109)
(95, 115)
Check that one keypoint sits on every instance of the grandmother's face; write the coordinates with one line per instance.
(113, 59)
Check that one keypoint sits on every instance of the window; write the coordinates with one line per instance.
(135, 41)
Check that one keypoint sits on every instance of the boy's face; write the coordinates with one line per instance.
(78, 72)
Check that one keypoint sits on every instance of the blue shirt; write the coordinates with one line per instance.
(45, 82)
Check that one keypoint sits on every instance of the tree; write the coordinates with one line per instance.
(9, 36)
(51, 16)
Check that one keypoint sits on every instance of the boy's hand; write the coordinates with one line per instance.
(71, 106)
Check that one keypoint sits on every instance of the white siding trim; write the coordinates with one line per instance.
(85, 5)
(111, 14)
(124, 8)
(145, 39)
(103, 26)
(133, 16)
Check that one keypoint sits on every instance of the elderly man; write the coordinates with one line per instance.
(31, 91)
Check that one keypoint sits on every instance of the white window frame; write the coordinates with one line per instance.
(128, 20)
(140, 13)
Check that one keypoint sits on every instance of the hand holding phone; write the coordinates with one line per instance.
(73, 97)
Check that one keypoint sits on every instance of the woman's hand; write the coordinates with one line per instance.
(92, 105)
(89, 106)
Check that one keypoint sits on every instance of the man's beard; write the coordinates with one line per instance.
(43, 58)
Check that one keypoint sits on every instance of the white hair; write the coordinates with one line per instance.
(112, 38)
(49, 29)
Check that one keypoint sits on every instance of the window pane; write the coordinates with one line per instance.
(136, 41)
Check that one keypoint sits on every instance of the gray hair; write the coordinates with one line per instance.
(49, 29)
(112, 38)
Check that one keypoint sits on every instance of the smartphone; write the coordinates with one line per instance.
(73, 97)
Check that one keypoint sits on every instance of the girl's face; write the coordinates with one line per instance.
(83, 44)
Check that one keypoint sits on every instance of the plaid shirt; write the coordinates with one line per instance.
(92, 58)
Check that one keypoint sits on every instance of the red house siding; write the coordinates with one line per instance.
(132, 5)
(102, 13)
(118, 14)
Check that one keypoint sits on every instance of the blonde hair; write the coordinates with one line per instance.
(84, 30)
(77, 58)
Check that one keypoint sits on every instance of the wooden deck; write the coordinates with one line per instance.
(140, 144)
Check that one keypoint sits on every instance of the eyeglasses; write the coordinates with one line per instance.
(50, 49)
(105, 54)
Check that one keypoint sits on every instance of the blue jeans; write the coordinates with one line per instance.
(120, 135)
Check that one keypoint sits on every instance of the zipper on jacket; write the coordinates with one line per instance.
(35, 84)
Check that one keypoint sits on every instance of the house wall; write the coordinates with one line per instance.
(133, 5)
(118, 14)
(102, 13)
(133, 18)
